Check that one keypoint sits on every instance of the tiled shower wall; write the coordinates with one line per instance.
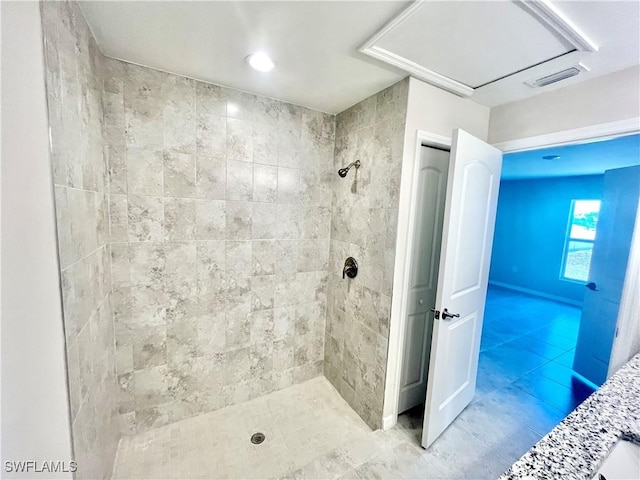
(220, 207)
(73, 65)
(364, 221)
(194, 225)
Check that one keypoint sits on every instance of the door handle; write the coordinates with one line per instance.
(436, 313)
(446, 314)
(591, 286)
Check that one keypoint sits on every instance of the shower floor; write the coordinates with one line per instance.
(301, 423)
(311, 433)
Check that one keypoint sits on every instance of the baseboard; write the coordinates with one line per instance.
(389, 422)
(537, 293)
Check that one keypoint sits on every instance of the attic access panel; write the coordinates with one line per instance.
(466, 45)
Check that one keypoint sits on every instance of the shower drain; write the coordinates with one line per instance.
(257, 438)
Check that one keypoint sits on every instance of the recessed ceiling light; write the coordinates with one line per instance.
(261, 62)
(551, 157)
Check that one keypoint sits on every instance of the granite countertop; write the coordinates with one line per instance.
(576, 448)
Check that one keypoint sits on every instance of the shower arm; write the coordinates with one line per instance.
(343, 171)
(354, 164)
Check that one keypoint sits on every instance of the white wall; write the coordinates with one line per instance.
(609, 98)
(435, 111)
(35, 411)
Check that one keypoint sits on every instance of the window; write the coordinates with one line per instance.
(581, 232)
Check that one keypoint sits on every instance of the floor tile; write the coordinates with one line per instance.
(489, 341)
(546, 390)
(300, 423)
(400, 462)
(526, 409)
(533, 344)
(566, 359)
(565, 376)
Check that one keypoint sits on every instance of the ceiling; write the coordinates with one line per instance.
(468, 46)
(315, 45)
(584, 159)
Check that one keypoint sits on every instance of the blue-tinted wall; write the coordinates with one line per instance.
(530, 232)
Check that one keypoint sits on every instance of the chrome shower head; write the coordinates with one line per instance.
(343, 171)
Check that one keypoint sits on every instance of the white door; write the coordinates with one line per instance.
(607, 271)
(467, 236)
(431, 195)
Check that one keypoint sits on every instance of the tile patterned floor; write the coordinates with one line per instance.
(525, 387)
(300, 423)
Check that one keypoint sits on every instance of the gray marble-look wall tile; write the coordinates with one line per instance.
(261, 362)
(179, 123)
(85, 168)
(65, 242)
(287, 254)
(313, 254)
(265, 183)
(262, 292)
(179, 174)
(143, 123)
(180, 262)
(120, 266)
(239, 140)
(118, 218)
(263, 221)
(239, 180)
(211, 259)
(288, 185)
(265, 143)
(182, 341)
(211, 99)
(214, 241)
(237, 365)
(145, 222)
(144, 171)
(211, 219)
(179, 219)
(149, 346)
(59, 151)
(211, 134)
(262, 327)
(264, 257)
(145, 305)
(238, 220)
(211, 337)
(290, 221)
(363, 224)
(211, 178)
(146, 264)
(238, 257)
(112, 74)
(284, 324)
(117, 169)
(290, 146)
(181, 301)
(150, 387)
(114, 124)
(126, 397)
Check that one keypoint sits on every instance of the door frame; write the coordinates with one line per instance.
(400, 301)
(404, 241)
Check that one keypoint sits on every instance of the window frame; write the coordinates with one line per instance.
(568, 239)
